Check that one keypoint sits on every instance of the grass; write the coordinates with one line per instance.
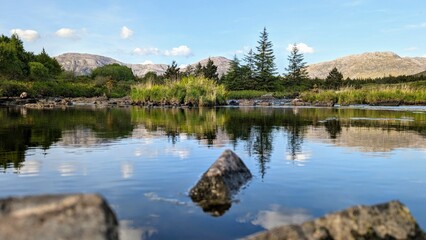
(407, 94)
(196, 91)
(58, 88)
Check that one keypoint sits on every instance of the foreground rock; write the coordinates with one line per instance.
(57, 217)
(384, 221)
(220, 182)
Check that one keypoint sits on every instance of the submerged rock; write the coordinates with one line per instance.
(390, 220)
(85, 216)
(219, 183)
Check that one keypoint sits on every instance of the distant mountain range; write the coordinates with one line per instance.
(366, 65)
(83, 64)
(370, 65)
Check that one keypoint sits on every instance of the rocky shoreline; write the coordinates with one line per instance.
(102, 102)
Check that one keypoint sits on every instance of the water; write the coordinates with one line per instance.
(306, 162)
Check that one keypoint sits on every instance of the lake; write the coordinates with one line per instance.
(306, 162)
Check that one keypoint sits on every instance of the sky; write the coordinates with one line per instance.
(160, 31)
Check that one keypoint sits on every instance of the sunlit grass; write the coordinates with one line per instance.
(196, 91)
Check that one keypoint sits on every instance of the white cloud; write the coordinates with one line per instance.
(147, 62)
(67, 33)
(303, 48)
(126, 32)
(411, 49)
(29, 35)
(182, 50)
(146, 51)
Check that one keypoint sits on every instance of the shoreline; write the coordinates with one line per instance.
(104, 102)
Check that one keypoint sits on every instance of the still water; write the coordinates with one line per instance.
(306, 162)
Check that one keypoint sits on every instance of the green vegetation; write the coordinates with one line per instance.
(193, 91)
(408, 94)
(115, 72)
(296, 66)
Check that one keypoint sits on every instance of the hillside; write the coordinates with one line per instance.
(83, 64)
(370, 65)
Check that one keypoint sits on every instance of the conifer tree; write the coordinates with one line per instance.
(172, 72)
(210, 70)
(296, 70)
(264, 62)
(198, 70)
(334, 79)
(250, 62)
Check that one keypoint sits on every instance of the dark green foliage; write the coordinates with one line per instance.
(114, 71)
(13, 58)
(250, 62)
(198, 72)
(54, 68)
(152, 77)
(210, 71)
(264, 62)
(38, 71)
(172, 72)
(334, 79)
(296, 70)
(239, 77)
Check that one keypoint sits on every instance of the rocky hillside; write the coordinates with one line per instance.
(83, 64)
(370, 65)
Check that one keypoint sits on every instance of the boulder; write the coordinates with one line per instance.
(390, 220)
(49, 217)
(214, 191)
(23, 95)
(298, 102)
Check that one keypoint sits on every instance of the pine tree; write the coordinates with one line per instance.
(334, 79)
(198, 70)
(250, 62)
(210, 70)
(172, 72)
(296, 67)
(232, 77)
(50, 63)
(264, 62)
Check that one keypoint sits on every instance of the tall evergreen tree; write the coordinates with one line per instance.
(172, 72)
(296, 70)
(264, 62)
(210, 70)
(250, 62)
(50, 63)
(198, 70)
(334, 79)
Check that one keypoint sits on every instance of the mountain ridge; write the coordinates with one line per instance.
(84, 63)
(356, 66)
(369, 65)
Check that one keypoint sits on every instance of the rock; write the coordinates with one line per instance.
(23, 95)
(214, 191)
(297, 102)
(390, 220)
(49, 217)
(324, 103)
(247, 102)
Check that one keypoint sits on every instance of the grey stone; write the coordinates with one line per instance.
(49, 217)
(214, 191)
(390, 220)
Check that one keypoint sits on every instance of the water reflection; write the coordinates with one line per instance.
(254, 128)
(276, 216)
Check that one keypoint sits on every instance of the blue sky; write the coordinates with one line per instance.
(160, 31)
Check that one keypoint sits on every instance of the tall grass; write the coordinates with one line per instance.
(197, 91)
(251, 94)
(373, 95)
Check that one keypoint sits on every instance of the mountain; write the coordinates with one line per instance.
(370, 65)
(83, 64)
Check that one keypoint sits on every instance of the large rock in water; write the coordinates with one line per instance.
(220, 182)
(52, 217)
(384, 221)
